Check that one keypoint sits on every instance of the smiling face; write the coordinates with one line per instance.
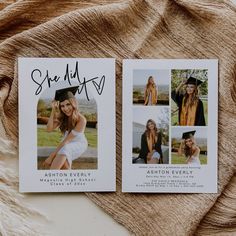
(189, 142)
(190, 88)
(66, 107)
(150, 125)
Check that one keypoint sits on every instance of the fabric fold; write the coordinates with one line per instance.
(134, 29)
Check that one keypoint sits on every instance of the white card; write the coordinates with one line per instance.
(170, 126)
(77, 131)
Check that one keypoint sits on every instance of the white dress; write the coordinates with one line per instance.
(150, 99)
(156, 155)
(75, 148)
(194, 160)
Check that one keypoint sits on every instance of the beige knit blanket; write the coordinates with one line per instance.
(124, 29)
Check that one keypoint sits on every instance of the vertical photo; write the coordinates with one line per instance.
(66, 130)
(150, 135)
(189, 145)
(151, 87)
(189, 97)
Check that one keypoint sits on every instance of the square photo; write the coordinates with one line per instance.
(150, 135)
(189, 94)
(189, 145)
(151, 87)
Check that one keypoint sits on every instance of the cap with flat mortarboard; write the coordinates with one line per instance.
(66, 93)
(189, 134)
(192, 80)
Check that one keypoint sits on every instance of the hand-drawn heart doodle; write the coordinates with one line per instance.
(99, 86)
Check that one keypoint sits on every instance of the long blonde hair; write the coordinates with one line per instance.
(188, 151)
(67, 124)
(148, 131)
(148, 85)
(194, 99)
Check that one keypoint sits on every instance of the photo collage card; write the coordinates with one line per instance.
(169, 126)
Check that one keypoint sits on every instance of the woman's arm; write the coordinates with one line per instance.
(180, 150)
(144, 148)
(158, 148)
(68, 139)
(200, 118)
(80, 126)
(180, 85)
(188, 159)
(51, 157)
(196, 154)
(176, 96)
(156, 93)
(145, 96)
(196, 151)
(159, 141)
(52, 122)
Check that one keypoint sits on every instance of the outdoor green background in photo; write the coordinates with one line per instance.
(53, 138)
(176, 159)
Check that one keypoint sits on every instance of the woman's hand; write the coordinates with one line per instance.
(180, 150)
(149, 157)
(150, 154)
(183, 82)
(189, 160)
(47, 163)
(55, 105)
(52, 122)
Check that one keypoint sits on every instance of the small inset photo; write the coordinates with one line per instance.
(189, 145)
(189, 93)
(150, 135)
(151, 87)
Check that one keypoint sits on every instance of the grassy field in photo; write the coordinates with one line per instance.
(176, 159)
(53, 138)
(174, 117)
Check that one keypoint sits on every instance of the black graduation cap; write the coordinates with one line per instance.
(192, 80)
(66, 93)
(189, 134)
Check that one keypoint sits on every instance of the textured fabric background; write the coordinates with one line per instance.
(124, 29)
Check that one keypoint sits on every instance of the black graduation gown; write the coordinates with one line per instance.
(144, 147)
(199, 119)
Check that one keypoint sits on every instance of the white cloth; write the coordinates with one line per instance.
(156, 155)
(75, 148)
(194, 160)
(150, 99)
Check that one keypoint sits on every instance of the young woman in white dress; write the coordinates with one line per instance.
(65, 115)
(189, 148)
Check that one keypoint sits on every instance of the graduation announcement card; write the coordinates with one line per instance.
(170, 126)
(66, 124)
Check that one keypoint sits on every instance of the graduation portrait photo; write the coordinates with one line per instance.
(189, 146)
(150, 87)
(67, 130)
(150, 135)
(189, 94)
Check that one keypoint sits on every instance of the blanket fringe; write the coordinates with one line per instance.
(16, 218)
